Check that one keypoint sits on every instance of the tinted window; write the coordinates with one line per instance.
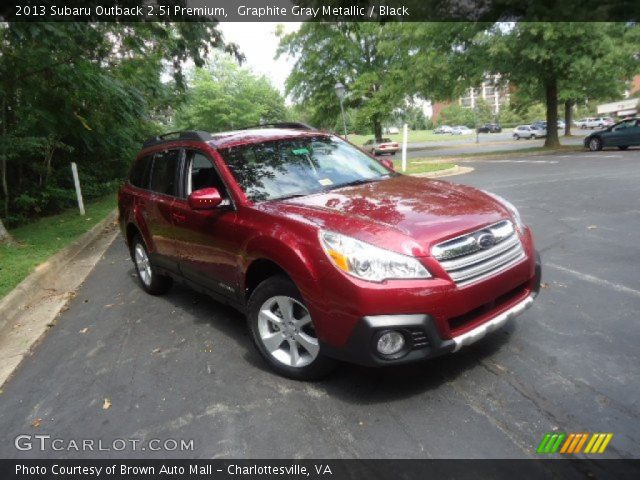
(202, 173)
(165, 170)
(299, 166)
(139, 176)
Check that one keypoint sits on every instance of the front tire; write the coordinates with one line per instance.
(623, 147)
(517, 137)
(151, 281)
(283, 331)
(595, 144)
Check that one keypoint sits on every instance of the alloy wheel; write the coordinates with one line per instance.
(142, 264)
(286, 331)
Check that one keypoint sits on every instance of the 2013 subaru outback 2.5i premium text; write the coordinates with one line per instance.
(329, 252)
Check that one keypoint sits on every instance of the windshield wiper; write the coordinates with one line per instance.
(287, 197)
(361, 181)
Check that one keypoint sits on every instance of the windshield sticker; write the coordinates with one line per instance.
(325, 182)
(300, 151)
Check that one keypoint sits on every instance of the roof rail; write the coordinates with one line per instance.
(196, 135)
(291, 125)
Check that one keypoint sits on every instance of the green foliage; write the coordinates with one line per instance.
(454, 114)
(89, 93)
(224, 96)
(359, 55)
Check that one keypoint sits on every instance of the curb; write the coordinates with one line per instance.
(448, 172)
(13, 303)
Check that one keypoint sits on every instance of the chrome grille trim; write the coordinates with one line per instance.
(466, 244)
(467, 262)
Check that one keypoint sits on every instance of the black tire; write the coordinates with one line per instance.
(623, 147)
(583, 127)
(280, 286)
(150, 280)
(595, 144)
(516, 136)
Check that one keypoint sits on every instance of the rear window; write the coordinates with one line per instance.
(139, 176)
(165, 172)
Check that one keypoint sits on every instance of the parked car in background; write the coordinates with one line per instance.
(561, 125)
(461, 130)
(392, 130)
(622, 135)
(384, 146)
(528, 131)
(594, 122)
(442, 129)
(539, 124)
(329, 254)
(490, 128)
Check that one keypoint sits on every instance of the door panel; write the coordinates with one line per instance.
(208, 240)
(159, 211)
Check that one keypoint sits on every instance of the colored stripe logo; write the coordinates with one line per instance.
(574, 442)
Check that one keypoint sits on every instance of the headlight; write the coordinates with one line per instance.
(367, 262)
(509, 206)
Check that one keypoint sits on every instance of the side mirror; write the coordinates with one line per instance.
(388, 163)
(204, 199)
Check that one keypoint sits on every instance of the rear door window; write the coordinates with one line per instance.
(139, 176)
(164, 175)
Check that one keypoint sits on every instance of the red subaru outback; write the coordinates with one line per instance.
(329, 253)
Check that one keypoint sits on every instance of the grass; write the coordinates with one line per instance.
(414, 136)
(40, 239)
(520, 152)
(421, 165)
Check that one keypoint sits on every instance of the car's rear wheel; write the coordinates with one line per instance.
(595, 144)
(623, 147)
(151, 281)
(283, 331)
(516, 136)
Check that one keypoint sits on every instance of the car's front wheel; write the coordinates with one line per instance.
(152, 281)
(516, 136)
(595, 144)
(623, 147)
(283, 331)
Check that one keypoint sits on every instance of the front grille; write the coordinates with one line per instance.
(477, 255)
(461, 321)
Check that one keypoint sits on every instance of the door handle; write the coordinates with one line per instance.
(179, 217)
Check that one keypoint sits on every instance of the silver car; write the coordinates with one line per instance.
(527, 131)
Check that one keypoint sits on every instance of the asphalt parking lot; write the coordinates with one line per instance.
(182, 366)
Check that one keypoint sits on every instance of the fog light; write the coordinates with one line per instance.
(390, 343)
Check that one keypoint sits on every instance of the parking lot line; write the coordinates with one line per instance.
(598, 281)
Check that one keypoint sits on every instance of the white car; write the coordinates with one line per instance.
(461, 130)
(527, 131)
(594, 122)
(393, 130)
(442, 129)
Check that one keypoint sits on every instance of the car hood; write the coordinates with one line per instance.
(402, 213)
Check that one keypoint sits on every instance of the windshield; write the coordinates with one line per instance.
(299, 166)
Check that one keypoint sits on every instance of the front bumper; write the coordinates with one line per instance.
(422, 336)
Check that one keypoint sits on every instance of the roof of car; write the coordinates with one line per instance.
(257, 135)
(238, 137)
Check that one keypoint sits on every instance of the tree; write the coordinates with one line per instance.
(224, 96)
(89, 92)
(545, 61)
(553, 61)
(352, 53)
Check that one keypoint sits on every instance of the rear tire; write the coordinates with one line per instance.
(623, 147)
(517, 137)
(150, 280)
(595, 144)
(283, 331)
